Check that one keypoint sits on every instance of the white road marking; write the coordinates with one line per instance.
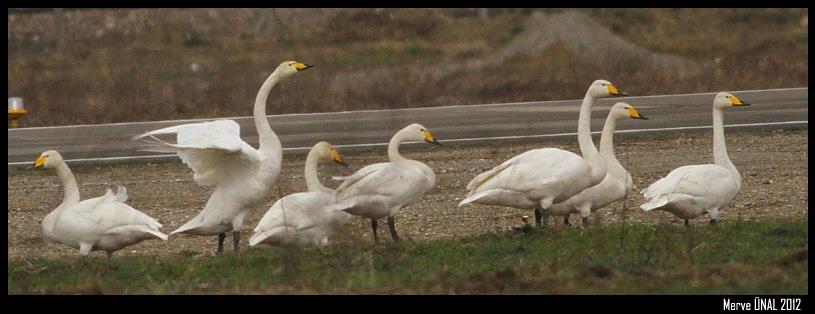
(149, 157)
(184, 121)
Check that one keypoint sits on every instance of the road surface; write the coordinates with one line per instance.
(473, 123)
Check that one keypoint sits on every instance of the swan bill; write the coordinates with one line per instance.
(299, 66)
(634, 114)
(614, 91)
(335, 155)
(428, 137)
(735, 101)
(39, 162)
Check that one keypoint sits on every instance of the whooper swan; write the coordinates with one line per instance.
(690, 191)
(615, 185)
(538, 178)
(308, 217)
(242, 175)
(102, 223)
(381, 189)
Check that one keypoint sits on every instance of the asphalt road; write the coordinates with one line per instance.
(468, 124)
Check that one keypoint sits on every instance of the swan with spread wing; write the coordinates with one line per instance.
(241, 174)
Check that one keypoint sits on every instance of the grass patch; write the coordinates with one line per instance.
(732, 257)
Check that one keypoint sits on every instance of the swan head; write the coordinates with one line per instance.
(726, 100)
(328, 152)
(417, 132)
(290, 67)
(623, 110)
(48, 159)
(603, 89)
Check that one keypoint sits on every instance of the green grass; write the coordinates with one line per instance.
(732, 257)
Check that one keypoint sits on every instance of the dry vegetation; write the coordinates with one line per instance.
(136, 65)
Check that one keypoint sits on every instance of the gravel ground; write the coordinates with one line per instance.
(773, 164)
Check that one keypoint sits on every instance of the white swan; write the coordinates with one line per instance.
(538, 178)
(242, 175)
(102, 223)
(690, 191)
(308, 217)
(615, 185)
(381, 189)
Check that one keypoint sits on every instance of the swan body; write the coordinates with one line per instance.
(241, 174)
(382, 189)
(539, 178)
(617, 182)
(691, 191)
(103, 223)
(305, 218)
(535, 178)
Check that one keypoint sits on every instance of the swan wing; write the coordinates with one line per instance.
(390, 179)
(295, 213)
(213, 150)
(295, 210)
(102, 215)
(529, 170)
(699, 181)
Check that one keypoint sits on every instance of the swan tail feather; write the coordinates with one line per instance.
(474, 197)
(121, 194)
(654, 204)
(138, 228)
(258, 237)
(484, 177)
(186, 227)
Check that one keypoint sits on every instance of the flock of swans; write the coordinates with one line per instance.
(548, 180)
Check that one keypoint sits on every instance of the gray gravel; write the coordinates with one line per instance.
(773, 165)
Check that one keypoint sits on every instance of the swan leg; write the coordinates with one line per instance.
(373, 228)
(221, 238)
(566, 221)
(713, 214)
(85, 248)
(392, 228)
(109, 253)
(236, 239)
(687, 223)
(544, 218)
(585, 212)
(538, 216)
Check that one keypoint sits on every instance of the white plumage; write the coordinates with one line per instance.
(306, 218)
(538, 178)
(691, 191)
(615, 185)
(102, 223)
(381, 190)
(242, 175)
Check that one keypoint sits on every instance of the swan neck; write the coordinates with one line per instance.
(269, 142)
(312, 180)
(587, 147)
(720, 156)
(393, 147)
(69, 187)
(607, 139)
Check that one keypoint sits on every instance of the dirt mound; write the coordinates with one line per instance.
(586, 38)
